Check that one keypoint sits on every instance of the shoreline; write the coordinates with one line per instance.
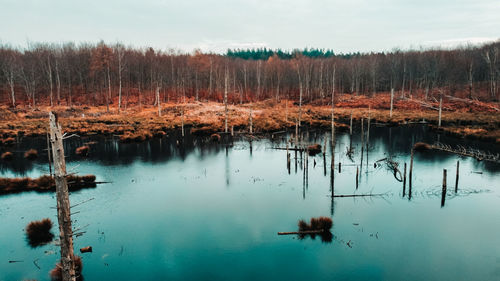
(206, 118)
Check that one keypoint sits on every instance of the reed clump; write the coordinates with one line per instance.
(7, 156)
(82, 150)
(56, 272)
(320, 224)
(31, 154)
(38, 232)
(8, 141)
(314, 149)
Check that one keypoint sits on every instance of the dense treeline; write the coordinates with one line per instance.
(98, 74)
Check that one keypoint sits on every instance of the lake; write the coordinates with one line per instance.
(198, 210)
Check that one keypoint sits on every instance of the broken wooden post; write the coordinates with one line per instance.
(357, 176)
(440, 108)
(411, 169)
(368, 134)
(333, 127)
(340, 167)
(324, 147)
(324, 164)
(63, 204)
(296, 158)
(350, 133)
(404, 181)
(49, 154)
(287, 159)
(443, 192)
(362, 141)
(456, 179)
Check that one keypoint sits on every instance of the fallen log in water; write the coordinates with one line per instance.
(459, 150)
(359, 195)
(301, 232)
(44, 184)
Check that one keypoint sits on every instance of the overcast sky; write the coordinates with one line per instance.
(344, 26)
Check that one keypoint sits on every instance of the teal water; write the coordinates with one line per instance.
(201, 211)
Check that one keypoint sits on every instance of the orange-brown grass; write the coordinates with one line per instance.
(38, 232)
(141, 123)
(8, 141)
(44, 183)
(7, 156)
(320, 223)
(31, 154)
(56, 272)
(82, 150)
(314, 149)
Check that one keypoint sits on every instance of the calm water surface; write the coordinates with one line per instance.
(201, 211)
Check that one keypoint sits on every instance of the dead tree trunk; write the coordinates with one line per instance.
(63, 204)
(158, 100)
(226, 77)
(392, 98)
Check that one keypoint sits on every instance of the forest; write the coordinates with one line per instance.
(103, 74)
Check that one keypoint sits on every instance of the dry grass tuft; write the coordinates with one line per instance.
(7, 156)
(82, 150)
(38, 232)
(314, 149)
(31, 154)
(321, 223)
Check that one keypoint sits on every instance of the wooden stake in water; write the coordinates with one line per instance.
(63, 204)
(362, 141)
(368, 134)
(324, 147)
(340, 167)
(456, 179)
(357, 176)
(411, 168)
(350, 133)
(404, 181)
(443, 192)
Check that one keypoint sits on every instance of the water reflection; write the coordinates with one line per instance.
(191, 209)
